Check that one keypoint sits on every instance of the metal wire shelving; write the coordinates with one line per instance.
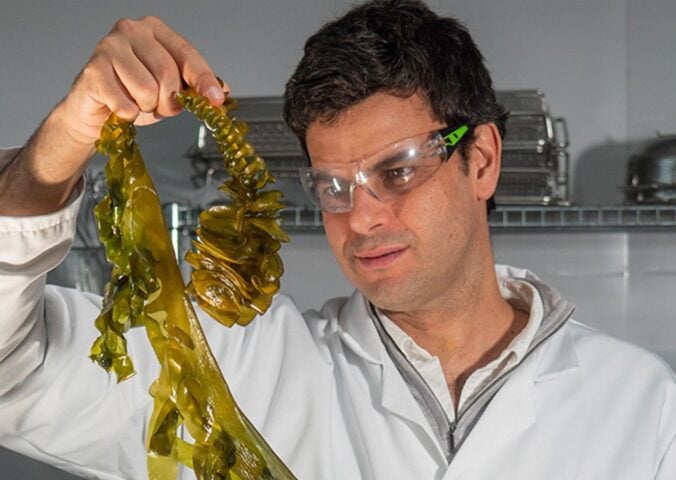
(539, 218)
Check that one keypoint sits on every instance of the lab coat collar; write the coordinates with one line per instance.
(512, 410)
(356, 329)
(558, 357)
(355, 323)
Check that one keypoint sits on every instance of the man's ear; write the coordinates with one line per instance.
(485, 156)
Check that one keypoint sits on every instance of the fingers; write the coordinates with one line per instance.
(145, 67)
(194, 68)
(111, 91)
(137, 69)
(153, 77)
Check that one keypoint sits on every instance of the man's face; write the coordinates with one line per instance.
(407, 254)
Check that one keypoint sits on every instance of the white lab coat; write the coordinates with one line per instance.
(321, 389)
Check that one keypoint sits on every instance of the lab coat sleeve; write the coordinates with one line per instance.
(30, 248)
(55, 404)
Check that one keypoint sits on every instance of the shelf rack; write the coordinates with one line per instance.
(539, 218)
(583, 218)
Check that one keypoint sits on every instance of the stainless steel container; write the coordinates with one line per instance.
(651, 172)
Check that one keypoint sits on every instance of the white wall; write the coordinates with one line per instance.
(651, 67)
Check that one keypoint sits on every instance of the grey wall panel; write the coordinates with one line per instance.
(588, 270)
(651, 69)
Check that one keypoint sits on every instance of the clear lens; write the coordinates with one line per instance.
(327, 192)
(387, 174)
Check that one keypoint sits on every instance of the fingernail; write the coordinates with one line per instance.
(215, 93)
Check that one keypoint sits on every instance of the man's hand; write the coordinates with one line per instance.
(134, 71)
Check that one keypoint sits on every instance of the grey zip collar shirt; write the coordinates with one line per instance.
(523, 296)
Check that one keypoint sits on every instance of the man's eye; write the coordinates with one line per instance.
(331, 189)
(399, 175)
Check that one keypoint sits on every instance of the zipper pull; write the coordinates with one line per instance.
(451, 437)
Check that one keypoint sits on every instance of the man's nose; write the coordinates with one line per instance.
(368, 212)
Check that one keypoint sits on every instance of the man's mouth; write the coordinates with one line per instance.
(380, 257)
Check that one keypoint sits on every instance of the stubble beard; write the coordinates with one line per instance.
(397, 295)
(416, 288)
(443, 282)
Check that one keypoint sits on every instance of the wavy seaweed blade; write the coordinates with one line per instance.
(146, 289)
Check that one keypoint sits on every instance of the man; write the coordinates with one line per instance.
(438, 366)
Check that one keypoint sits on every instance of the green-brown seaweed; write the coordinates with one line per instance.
(237, 270)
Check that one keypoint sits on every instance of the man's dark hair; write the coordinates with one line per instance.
(399, 47)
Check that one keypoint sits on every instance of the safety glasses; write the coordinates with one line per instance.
(387, 174)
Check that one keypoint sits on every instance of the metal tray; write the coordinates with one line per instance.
(522, 100)
(530, 187)
(534, 131)
(540, 157)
